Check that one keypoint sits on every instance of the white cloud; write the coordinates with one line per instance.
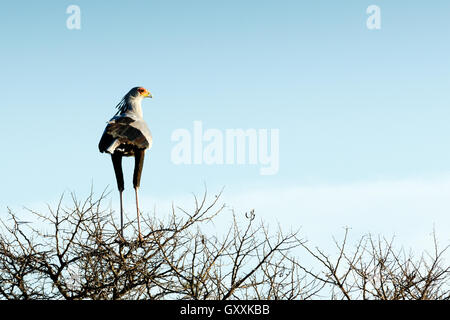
(408, 209)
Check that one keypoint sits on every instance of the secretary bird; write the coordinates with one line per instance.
(127, 135)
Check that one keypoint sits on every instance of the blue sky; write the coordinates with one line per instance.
(355, 107)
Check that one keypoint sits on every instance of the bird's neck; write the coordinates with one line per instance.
(134, 105)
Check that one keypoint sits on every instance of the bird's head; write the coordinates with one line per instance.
(132, 100)
(140, 92)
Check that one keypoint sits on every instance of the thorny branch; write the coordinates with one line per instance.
(75, 252)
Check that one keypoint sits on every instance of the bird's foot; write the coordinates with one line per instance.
(121, 239)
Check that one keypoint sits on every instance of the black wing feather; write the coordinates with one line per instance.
(121, 129)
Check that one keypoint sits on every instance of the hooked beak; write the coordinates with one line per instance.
(149, 95)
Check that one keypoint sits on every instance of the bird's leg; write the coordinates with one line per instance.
(138, 214)
(121, 214)
(117, 163)
(138, 165)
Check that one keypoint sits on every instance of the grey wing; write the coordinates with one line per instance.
(126, 130)
(142, 127)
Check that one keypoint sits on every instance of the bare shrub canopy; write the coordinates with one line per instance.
(82, 256)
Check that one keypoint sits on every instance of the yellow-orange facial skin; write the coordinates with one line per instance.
(145, 93)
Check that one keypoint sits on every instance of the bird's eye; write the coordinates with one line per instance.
(141, 90)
